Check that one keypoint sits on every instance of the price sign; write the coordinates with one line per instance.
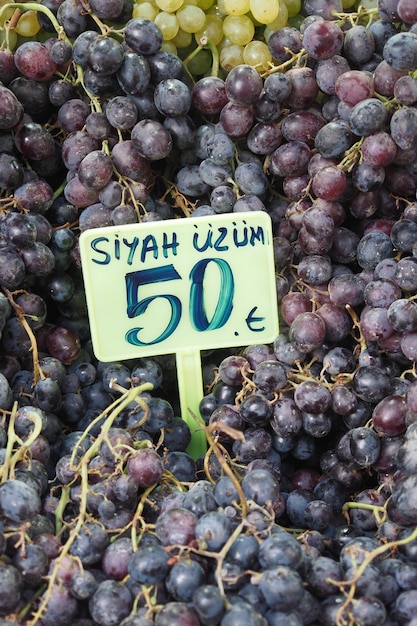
(180, 286)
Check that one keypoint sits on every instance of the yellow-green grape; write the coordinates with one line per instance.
(281, 20)
(264, 11)
(168, 24)
(170, 6)
(168, 46)
(212, 30)
(205, 4)
(145, 10)
(348, 4)
(239, 29)
(191, 18)
(7, 13)
(257, 54)
(215, 10)
(220, 7)
(236, 7)
(293, 7)
(28, 24)
(182, 39)
(231, 56)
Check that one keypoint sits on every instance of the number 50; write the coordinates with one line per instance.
(197, 309)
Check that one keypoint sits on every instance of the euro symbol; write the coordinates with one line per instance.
(253, 319)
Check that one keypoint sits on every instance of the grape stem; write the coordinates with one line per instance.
(37, 371)
(94, 102)
(25, 610)
(81, 468)
(367, 559)
(352, 156)
(34, 6)
(361, 344)
(59, 190)
(215, 448)
(14, 455)
(355, 17)
(295, 57)
(204, 44)
(379, 511)
(14, 19)
(390, 103)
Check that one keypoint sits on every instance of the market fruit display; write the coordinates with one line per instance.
(303, 509)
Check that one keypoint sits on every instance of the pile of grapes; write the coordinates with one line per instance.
(303, 509)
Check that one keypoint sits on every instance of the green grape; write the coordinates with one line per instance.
(369, 4)
(8, 39)
(168, 24)
(239, 29)
(28, 24)
(191, 18)
(212, 30)
(236, 7)
(182, 39)
(281, 20)
(205, 4)
(293, 7)
(7, 13)
(170, 6)
(257, 54)
(348, 4)
(231, 56)
(296, 21)
(264, 11)
(168, 46)
(216, 9)
(201, 63)
(145, 10)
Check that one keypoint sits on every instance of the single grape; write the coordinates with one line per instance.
(323, 39)
(95, 170)
(151, 139)
(403, 127)
(33, 60)
(400, 51)
(358, 45)
(209, 95)
(367, 116)
(172, 97)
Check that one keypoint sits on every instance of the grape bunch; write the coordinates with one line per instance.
(237, 29)
(302, 511)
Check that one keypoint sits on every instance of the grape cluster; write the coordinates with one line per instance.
(238, 29)
(303, 509)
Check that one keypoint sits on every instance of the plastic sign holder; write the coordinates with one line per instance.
(181, 286)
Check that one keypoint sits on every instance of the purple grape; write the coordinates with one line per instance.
(146, 467)
(243, 85)
(18, 501)
(209, 95)
(143, 36)
(151, 139)
(400, 51)
(176, 526)
(323, 39)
